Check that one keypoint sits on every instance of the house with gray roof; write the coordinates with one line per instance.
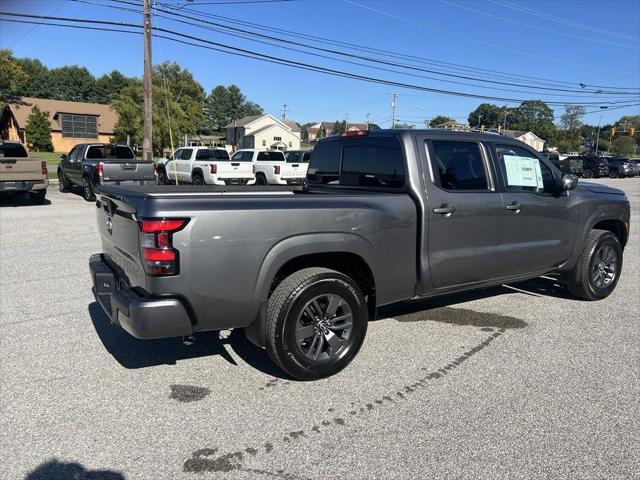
(263, 132)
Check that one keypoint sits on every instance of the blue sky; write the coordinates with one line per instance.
(597, 43)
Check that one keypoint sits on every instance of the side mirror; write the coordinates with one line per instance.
(569, 181)
(63, 156)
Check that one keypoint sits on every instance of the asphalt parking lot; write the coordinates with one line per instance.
(516, 382)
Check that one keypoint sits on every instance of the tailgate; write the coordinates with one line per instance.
(229, 169)
(14, 169)
(124, 170)
(294, 170)
(119, 230)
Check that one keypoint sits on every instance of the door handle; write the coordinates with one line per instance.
(515, 206)
(444, 210)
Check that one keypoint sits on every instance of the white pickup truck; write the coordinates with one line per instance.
(205, 165)
(272, 167)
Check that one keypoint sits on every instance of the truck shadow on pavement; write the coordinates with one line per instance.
(55, 470)
(133, 353)
(20, 200)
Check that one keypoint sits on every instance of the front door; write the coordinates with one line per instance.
(74, 169)
(464, 215)
(183, 165)
(540, 221)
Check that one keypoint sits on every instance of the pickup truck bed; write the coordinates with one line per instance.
(22, 173)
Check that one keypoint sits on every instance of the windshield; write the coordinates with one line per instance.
(106, 152)
(12, 150)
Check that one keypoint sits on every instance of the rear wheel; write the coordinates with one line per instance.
(162, 177)
(87, 190)
(63, 183)
(316, 323)
(38, 197)
(197, 179)
(598, 269)
(614, 173)
(261, 179)
(587, 173)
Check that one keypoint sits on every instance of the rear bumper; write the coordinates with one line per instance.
(142, 317)
(149, 181)
(234, 181)
(24, 186)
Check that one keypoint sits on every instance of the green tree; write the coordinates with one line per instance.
(72, 83)
(12, 76)
(572, 116)
(440, 120)
(109, 86)
(225, 104)
(623, 145)
(178, 101)
(537, 117)
(339, 126)
(486, 114)
(37, 84)
(37, 130)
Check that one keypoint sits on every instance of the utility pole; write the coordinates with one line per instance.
(147, 144)
(284, 111)
(368, 120)
(393, 109)
(598, 137)
(346, 122)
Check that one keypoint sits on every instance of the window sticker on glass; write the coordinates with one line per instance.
(523, 172)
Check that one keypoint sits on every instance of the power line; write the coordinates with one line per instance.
(225, 30)
(536, 27)
(300, 65)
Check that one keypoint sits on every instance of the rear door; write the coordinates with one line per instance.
(540, 226)
(240, 167)
(295, 166)
(465, 210)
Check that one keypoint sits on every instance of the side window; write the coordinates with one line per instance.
(375, 162)
(72, 154)
(523, 171)
(186, 153)
(325, 163)
(203, 154)
(177, 155)
(458, 166)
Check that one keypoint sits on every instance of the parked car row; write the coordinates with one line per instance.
(214, 166)
(592, 166)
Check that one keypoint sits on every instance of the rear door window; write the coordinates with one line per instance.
(459, 166)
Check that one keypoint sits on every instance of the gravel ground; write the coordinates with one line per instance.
(515, 382)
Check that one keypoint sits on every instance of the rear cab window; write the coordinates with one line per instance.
(107, 152)
(271, 157)
(523, 171)
(242, 157)
(363, 162)
(12, 150)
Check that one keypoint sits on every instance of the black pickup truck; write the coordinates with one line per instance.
(387, 216)
(93, 164)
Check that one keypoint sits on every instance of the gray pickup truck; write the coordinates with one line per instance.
(386, 216)
(93, 164)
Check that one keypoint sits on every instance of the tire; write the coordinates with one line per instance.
(587, 173)
(38, 197)
(290, 316)
(63, 183)
(87, 190)
(601, 259)
(162, 177)
(197, 179)
(261, 179)
(614, 174)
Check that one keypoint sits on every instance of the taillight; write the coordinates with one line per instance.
(214, 168)
(100, 171)
(44, 168)
(159, 258)
(276, 169)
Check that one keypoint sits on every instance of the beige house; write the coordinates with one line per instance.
(323, 129)
(263, 132)
(529, 138)
(71, 122)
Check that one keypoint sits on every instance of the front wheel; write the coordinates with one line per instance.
(597, 271)
(63, 183)
(162, 177)
(587, 173)
(87, 190)
(316, 323)
(614, 174)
